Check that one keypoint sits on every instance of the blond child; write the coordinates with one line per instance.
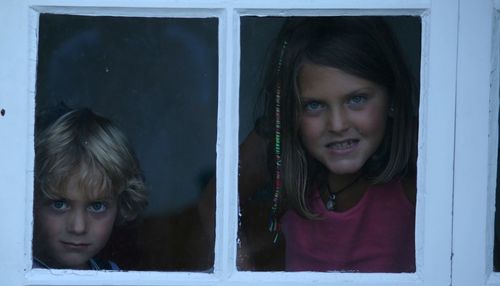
(87, 181)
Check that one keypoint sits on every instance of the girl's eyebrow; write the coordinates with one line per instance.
(309, 98)
(362, 90)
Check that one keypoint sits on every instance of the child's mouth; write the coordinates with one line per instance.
(343, 145)
(75, 245)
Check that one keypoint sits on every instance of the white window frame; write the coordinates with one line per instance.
(476, 130)
(18, 52)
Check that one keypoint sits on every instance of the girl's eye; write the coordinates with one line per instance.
(357, 100)
(97, 207)
(313, 106)
(59, 205)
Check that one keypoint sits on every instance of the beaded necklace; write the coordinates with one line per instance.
(273, 224)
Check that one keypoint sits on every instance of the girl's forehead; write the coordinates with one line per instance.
(313, 77)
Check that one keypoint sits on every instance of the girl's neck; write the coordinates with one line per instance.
(337, 182)
(348, 190)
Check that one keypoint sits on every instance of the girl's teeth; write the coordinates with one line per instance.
(342, 145)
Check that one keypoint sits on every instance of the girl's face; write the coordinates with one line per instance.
(343, 117)
(72, 229)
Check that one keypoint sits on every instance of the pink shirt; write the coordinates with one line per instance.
(376, 235)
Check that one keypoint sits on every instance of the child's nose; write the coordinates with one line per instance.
(338, 120)
(77, 222)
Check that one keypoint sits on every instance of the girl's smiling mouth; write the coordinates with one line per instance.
(343, 146)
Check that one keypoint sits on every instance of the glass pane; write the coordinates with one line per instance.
(156, 80)
(327, 176)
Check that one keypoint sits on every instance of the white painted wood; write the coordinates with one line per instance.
(331, 12)
(493, 143)
(473, 197)
(436, 139)
(15, 138)
(484, 84)
(227, 147)
(232, 4)
(494, 106)
(178, 12)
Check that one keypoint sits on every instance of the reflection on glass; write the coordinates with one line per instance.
(156, 80)
(329, 166)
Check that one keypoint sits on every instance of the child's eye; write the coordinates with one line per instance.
(357, 100)
(59, 205)
(97, 207)
(313, 106)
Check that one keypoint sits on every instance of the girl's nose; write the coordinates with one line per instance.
(338, 120)
(77, 222)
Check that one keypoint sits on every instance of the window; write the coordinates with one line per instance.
(454, 230)
(261, 40)
(146, 74)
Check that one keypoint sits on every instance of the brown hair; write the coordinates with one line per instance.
(361, 46)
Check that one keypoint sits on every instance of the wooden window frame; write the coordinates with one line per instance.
(436, 162)
(476, 129)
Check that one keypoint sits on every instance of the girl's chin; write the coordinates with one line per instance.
(344, 173)
(344, 170)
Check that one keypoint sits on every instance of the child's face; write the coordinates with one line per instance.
(72, 229)
(343, 117)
